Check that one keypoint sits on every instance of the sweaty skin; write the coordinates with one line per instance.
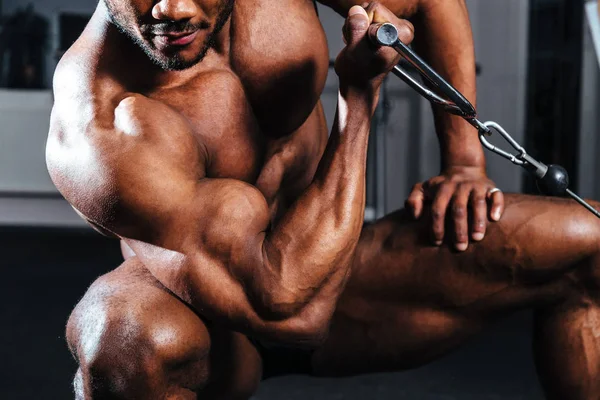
(245, 218)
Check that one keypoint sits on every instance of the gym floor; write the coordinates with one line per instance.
(45, 272)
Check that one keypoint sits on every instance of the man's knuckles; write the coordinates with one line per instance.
(356, 25)
(379, 14)
(459, 211)
(406, 31)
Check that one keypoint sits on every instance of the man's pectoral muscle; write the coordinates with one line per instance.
(209, 240)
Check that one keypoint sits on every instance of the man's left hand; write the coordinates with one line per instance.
(460, 194)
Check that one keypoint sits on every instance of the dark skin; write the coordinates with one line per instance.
(245, 220)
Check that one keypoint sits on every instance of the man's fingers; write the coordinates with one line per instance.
(361, 62)
(414, 202)
(379, 14)
(496, 200)
(460, 201)
(479, 207)
(356, 25)
(438, 211)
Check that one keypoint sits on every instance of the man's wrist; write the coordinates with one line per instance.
(463, 161)
(460, 147)
(358, 95)
(463, 157)
(462, 169)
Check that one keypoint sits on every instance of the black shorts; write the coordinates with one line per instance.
(280, 360)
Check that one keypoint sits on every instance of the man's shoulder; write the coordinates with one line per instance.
(81, 127)
(78, 84)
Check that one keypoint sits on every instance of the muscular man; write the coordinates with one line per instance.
(192, 130)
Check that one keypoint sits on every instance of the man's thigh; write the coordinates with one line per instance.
(408, 301)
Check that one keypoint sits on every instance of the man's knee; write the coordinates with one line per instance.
(570, 235)
(131, 344)
(541, 240)
(551, 223)
(589, 275)
(112, 346)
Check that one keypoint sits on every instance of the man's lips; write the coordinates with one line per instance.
(179, 39)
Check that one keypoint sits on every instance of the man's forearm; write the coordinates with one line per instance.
(444, 39)
(313, 244)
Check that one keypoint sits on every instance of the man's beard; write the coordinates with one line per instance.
(172, 62)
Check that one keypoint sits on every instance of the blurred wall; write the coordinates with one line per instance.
(50, 9)
(27, 196)
(589, 144)
(500, 30)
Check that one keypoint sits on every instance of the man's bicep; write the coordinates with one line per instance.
(160, 181)
(149, 162)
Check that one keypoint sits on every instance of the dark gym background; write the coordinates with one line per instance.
(49, 259)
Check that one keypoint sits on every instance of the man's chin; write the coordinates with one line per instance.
(175, 62)
(178, 65)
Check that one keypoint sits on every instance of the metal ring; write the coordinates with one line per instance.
(494, 190)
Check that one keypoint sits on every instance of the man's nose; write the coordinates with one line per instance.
(175, 10)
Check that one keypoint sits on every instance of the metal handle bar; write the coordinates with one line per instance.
(387, 35)
(448, 106)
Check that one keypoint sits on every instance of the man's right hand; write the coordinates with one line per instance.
(361, 64)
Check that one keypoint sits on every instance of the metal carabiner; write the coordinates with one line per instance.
(522, 159)
(517, 159)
